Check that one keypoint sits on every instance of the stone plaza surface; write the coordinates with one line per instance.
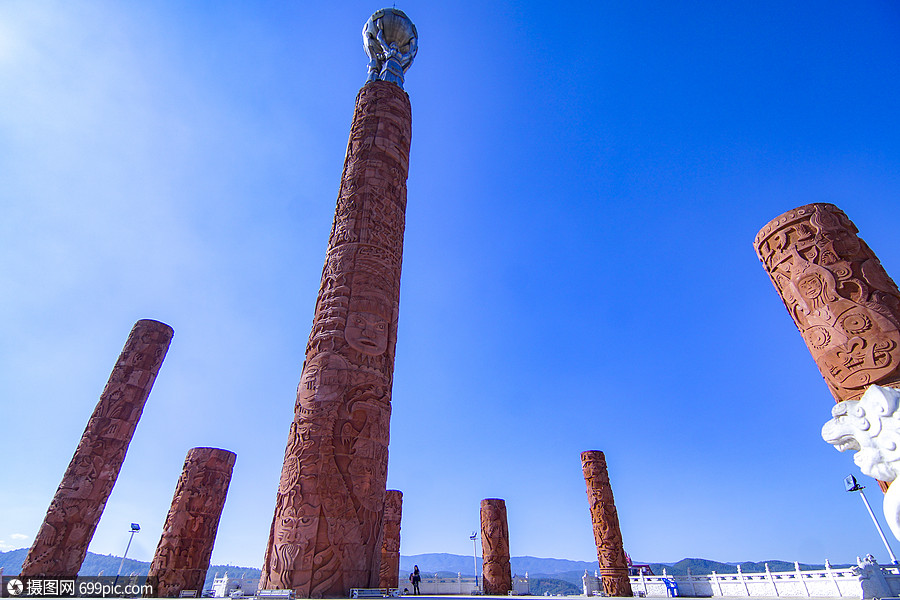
(535, 597)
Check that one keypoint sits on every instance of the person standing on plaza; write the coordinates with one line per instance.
(415, 578)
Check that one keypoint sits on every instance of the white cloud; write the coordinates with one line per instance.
(14, 543)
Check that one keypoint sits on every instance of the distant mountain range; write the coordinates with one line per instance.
(466, 565)
(543, 572)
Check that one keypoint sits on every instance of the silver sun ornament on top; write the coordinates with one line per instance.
(391, 42)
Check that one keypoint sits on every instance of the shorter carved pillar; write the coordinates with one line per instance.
(607, 536)
(390, 540)
(496, 571)
(182, 556)
(62, 541)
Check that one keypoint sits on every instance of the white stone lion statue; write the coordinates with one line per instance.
(871, 427)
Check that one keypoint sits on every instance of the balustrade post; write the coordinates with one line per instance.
(800, 576)
(715, 577)
(742, 580)
(833, 578)
(771, 580)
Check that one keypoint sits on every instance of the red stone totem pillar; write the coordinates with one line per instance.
(390, 541)
(845, 305)
(326, 532)
(182, 556)
(607, 536)
(62, 541)
(843, 302)
(496, 572)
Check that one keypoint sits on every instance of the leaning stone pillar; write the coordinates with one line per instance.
(62, 541)
(390, 541)
(843, 302)
(496, 572)
(841, 299)
(607, 536)
(326, 531)
(182, 556)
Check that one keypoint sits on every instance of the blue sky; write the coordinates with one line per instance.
(585, 185)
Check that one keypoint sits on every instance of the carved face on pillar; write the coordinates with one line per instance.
(294, 535)
(367, 333)
(369, 322)
(811, 287)
(295, 528)
(850, 341)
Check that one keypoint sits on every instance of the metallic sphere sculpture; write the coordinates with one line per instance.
(391, 42)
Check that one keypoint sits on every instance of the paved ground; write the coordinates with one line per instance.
(460, 597)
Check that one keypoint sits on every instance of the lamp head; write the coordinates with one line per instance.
(851, 485)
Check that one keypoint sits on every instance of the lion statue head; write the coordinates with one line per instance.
(871, 427)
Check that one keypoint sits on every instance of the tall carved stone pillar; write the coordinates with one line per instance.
(496, 572)
(326, 532)
(843, 302)
(607, 536)
(182, 556)
(62, 541)
(390, 541)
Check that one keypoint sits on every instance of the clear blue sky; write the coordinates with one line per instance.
(585, 185)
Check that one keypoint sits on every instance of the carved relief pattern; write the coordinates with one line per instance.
(605, 519)
(390, 543)
(182, 556)
(496, 571)
(62, 541)
(843, 302)
(326, 532)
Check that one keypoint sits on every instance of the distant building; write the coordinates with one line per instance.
(226, 586)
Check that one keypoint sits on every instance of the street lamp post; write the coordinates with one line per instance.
(852, 485)
(474, 538)
(134, 529)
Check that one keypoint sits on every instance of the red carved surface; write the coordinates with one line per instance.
(496, 572)
(843, 302)
(62, 541)
(390, 542)
(326, 532)
(182, 556)
(605, 519)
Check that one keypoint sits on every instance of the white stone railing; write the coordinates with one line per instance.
(868, 580)
(462, 585)
(443, 585)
